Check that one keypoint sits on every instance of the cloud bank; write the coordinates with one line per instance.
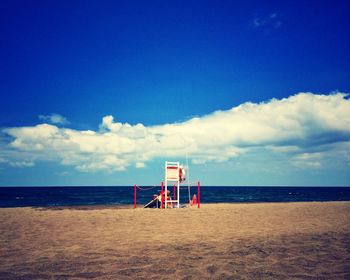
(306, 127)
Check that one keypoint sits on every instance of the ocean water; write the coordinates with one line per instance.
(74, 196)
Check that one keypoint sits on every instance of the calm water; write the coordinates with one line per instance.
(64, 196)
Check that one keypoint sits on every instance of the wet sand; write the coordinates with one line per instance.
(219, 241)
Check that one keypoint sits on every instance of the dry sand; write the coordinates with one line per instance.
(218, 241)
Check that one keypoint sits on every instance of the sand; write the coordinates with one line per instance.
(218, 241)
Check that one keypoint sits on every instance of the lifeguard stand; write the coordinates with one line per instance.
(172, 175)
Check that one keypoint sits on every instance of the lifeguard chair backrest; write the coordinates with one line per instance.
(182, 174)
(172, 171)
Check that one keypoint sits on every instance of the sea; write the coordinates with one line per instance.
(100, 195)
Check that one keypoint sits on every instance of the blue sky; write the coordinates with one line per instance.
(102, 92)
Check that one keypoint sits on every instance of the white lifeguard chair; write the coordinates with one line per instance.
(174, 173)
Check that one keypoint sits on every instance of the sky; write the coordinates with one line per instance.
(104, 92)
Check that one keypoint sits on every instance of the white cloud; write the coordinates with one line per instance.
(267, 22)
(21, 163)
(54, 119)
(302, 126)
(307, 160)
(140, 165)
(63, 173)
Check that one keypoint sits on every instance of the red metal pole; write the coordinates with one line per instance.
(162, 195)
(199, 195)
(134, 196)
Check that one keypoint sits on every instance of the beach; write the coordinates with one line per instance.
(303, 240)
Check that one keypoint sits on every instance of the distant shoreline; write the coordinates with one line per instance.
(140, 206)
(202, 186)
